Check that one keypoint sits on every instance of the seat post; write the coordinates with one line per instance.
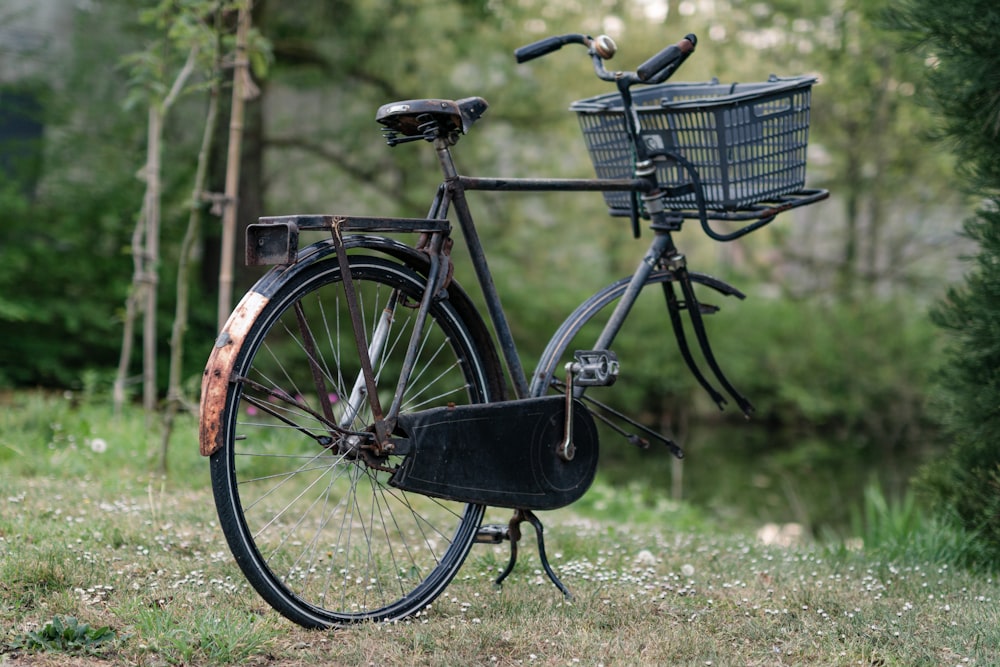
(443, 147)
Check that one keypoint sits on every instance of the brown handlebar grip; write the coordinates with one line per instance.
(666, 58)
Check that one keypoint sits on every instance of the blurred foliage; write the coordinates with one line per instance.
(890, 218)
(959, 43)
(839, 371)
(839, 391)
(64, 264)
(900, 529)
(53, 323)
(20, 133)
(968, 481)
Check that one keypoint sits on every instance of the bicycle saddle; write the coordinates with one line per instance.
(410, 117)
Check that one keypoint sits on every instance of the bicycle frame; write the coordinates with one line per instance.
(307, 456)
(452, 192)
(661, 252)
(276, 241)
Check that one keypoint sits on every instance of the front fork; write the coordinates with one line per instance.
(663, 255)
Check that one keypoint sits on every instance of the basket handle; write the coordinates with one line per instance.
(772, 107)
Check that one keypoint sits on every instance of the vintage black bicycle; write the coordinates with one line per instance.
(360, 412)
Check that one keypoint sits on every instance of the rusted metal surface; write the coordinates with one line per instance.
(219, 370)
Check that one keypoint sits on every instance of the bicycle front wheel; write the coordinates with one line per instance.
(647, 335)
(314, 524)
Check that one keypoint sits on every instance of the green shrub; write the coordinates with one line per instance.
(904, 529)
(962, 90)
(968, 480)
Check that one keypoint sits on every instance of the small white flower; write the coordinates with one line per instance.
(645, 557)
(687, 569)
(98, 445)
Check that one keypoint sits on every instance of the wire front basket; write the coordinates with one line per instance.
(746, 141)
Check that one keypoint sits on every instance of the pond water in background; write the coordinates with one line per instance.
(748, 474)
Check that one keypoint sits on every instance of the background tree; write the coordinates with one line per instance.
(156, 85)
(63, 274)
(960, 43)
(893, 199)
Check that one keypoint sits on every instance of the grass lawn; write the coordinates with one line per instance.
(104, 563)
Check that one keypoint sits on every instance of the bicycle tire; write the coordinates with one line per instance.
(321, 537)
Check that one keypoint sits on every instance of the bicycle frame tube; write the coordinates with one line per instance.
(455, 187)
(505, 339)
(380, 338)
(555, 184)
(434, 284)
(370, 351)
(662, 243)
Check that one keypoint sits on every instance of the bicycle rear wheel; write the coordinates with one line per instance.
(315, 528)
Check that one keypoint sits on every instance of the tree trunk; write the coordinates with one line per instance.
(146, 250)
(852, 211)
(131, 311)
(175, 392)
(151, 256)
(881, 119)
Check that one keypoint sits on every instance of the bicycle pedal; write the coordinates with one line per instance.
(595, 368)
(494, 533)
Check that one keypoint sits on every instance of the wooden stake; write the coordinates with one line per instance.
(242, 89)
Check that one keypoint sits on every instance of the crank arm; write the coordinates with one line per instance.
(592, 368)
(632, 438)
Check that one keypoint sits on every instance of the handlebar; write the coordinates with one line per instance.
(602, 46)
(546, 46)
(671, 57)
(655, 70)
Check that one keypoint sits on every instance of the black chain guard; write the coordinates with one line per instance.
(500, 454)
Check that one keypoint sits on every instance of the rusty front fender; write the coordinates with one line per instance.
(218, 372)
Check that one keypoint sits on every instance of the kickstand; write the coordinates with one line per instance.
(514, 535)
